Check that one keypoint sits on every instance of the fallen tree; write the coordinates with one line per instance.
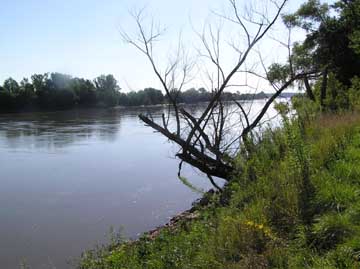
(211, 140)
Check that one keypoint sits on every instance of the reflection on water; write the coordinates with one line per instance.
(67, 177)
(56, 131)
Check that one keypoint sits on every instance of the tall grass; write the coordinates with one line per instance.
(294, 203)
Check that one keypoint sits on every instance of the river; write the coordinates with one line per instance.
(67, 177)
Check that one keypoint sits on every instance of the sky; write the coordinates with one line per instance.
(82, 37)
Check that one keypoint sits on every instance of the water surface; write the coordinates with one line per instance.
(67, 177)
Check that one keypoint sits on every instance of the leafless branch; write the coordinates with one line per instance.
(205, 139)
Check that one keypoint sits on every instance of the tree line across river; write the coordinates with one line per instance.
(60, 91)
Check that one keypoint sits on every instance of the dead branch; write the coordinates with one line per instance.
(205, 139)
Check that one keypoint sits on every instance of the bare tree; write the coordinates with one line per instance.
(210, 140)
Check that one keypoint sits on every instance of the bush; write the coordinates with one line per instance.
(354, 94)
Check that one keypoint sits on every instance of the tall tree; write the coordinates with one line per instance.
(85, 91)
(106, 83)
(108, 89)
(331, 42)
(209, 141)
(11, 86)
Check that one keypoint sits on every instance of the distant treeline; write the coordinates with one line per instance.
(150, 96)
(60, 91)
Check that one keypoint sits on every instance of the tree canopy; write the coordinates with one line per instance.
(331, 48)
(57, 91)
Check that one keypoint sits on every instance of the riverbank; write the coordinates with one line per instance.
(293, 203)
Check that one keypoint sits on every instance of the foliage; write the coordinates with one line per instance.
(278, 73)
(148, 96)
(61, 91)
(293, 203)
(331, 48)
(293, 200)
(354, 94)
(329, 37)
(339, 97)
(58, 91)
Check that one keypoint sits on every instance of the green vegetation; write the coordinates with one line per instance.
(293, 200)
(330, 49)
(60, 91)
(293, 203)
(57, 91)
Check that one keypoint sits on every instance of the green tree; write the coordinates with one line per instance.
(85, 91)
(107, 89)
(153, 96)
(106, 83)
(330, 46)
(40, 82)
(42, 86)
(11, 86)
(60, 81)
(26, 96)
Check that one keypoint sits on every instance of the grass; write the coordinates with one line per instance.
(294, 203)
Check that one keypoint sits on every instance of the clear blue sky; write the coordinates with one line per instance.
(81, 37)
